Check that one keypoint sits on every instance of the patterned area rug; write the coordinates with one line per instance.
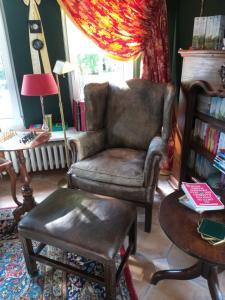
(52, 284)
(8, 230)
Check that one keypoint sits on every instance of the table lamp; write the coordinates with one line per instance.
(61, 68)
(39, 85)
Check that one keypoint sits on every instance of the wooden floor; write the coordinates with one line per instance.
(154, 251)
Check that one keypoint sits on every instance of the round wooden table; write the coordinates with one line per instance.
(180, 225)
(14, 144)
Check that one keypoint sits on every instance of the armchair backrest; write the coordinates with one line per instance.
(132, 115)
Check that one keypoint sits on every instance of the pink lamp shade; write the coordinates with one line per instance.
(39, 85)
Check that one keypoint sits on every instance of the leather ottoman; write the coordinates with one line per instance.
(89, 225)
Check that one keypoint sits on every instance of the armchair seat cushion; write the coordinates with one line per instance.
(121, 166)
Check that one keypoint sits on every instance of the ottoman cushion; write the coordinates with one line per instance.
(78, 221)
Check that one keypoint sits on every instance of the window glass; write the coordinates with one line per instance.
(91, 63)
(5, 101)
(10, 111)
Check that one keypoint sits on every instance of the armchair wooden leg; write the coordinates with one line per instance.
(148, 217)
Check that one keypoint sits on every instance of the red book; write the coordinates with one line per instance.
(75, 114)
(83, 115)
(201, 196)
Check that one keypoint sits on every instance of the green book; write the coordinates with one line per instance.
(212, 229)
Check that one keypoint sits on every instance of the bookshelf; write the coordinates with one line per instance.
(196, 138)
(200, 73)
(215, 123)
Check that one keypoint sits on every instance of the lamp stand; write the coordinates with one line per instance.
(45, 124)
(63, 121)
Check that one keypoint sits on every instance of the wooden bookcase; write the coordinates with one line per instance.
(200, 72)
(189, 143)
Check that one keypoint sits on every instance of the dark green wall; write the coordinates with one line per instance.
(17, 15)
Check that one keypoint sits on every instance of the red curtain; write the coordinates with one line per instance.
(155, 53)
(126, 29)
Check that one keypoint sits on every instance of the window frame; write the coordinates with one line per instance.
(74, 79)
(16, 119)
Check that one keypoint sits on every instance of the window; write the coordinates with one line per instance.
(10, 112)
(91, 63)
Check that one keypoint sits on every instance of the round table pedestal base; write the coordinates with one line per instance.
(206, 270)
(28, 202)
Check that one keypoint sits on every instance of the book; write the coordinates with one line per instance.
(212, 111)
(201, 196)
(219, 161)
(218, 105)
(186, 202)
(222, 110)
(201, 32)
(204, 104)
(76, 115)
(195, 36)
(218, 31)
(212, 231)
(209, 33)
(83, 115)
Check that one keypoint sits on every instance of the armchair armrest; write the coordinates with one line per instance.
(85, 144)
(156, 151)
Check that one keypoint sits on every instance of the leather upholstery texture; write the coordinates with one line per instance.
(132, 120)
(80, 222)
(121, 166)
(135, 123)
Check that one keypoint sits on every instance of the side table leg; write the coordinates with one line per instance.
(179, 274)
(214, 284)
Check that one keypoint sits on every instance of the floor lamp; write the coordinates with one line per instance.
(39, 85)
(61, 68)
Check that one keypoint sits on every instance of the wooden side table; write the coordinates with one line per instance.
(180, 225)
(14, 144)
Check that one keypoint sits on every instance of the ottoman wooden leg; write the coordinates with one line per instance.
(110, 280)
(27, 251)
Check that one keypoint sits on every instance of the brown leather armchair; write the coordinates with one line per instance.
(127, 131)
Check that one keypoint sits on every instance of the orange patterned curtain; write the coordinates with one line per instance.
(126, 29)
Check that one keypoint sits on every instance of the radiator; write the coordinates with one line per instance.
(47, 157)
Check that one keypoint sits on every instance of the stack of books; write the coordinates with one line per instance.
(219, 161)
(201, 166)
(212, 231)
(208, 137)
(211, 106)
(208, 32)
(199, 197)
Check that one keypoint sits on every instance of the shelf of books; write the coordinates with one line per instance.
(206, 160)
(215, 123)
